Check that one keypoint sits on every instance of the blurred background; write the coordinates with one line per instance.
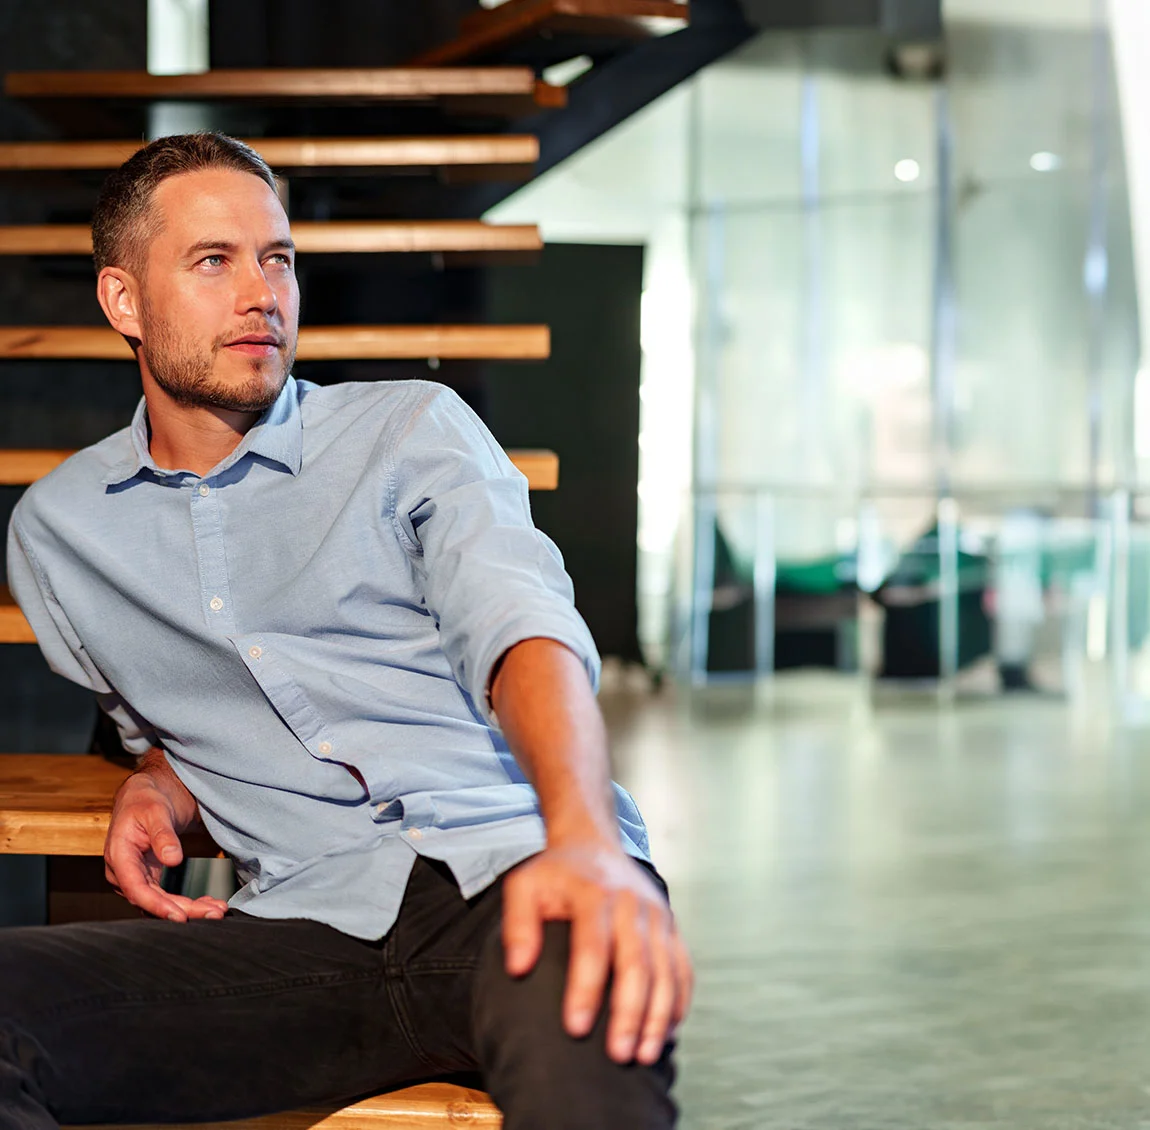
(893, 419)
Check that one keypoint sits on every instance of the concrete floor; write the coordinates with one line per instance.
(903, 916)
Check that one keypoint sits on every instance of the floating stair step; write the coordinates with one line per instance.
(14, 629)
(511, 90)
(316, 343)
(53, 804)
(60, 804)
(428, 1105)
(329, 237)
(506, 154)
(21, 466)
(488, 32)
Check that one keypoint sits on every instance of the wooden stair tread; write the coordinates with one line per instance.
(14, 628)
(412, 1108)
(515, 88)
(329, 237)
(316, 343)
(479, 150)
(21, 466)
(59, 804)
(489, 31)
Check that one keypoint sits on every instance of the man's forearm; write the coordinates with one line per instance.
(548, 713)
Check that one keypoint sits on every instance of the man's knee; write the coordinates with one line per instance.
(543, 1077)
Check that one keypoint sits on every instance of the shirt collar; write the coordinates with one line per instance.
(277, 435)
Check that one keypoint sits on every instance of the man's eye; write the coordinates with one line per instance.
(212, 260)
(281, 259)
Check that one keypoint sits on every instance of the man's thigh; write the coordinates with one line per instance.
(150, 1021)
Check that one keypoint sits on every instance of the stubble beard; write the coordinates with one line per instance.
(186, 373)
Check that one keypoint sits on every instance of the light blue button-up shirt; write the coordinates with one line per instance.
(332, 596)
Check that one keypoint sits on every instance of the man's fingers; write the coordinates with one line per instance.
(522, 928)
(165, 842)
(684, 979)
(631, 991)
(206, 907)
(138, 881)
(587, 970)
(662, 1000)
(141, 892)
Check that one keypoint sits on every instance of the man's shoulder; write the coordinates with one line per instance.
(80, 479)
(377, 398)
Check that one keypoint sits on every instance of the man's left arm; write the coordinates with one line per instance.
(621, 925)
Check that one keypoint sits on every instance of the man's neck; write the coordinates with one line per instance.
(186, 437)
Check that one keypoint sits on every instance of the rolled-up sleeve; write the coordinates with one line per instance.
(489, 577)
(59, 642)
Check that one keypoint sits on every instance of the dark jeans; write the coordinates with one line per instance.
(152, 1021)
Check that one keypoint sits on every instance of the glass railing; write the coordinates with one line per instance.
(988, 590)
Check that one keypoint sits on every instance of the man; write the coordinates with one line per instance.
(323, 618)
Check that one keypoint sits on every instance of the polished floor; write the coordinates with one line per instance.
(903, 916)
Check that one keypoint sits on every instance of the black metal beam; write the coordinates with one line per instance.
(619, 87)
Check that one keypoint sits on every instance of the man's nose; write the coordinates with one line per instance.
(254, 292)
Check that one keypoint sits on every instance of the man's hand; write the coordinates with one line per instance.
(621, 925)
(149, 810)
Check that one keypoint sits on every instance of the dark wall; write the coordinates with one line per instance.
(584, 404)
(336, 33)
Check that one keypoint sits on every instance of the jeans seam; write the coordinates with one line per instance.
(104, 1001)
(398, 974)
(447, 965)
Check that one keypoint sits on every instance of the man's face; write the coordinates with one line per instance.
(219, 311)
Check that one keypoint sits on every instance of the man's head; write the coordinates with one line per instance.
(196, 269)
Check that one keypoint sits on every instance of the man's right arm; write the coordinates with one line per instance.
(151, 808)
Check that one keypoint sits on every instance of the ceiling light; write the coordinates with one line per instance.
(1044, 162)
(907, 170)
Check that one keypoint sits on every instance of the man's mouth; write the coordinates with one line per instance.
(257, 345)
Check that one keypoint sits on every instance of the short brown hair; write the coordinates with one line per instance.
(121, 224)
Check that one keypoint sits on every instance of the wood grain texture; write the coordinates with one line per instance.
(414, 1108)
(22, 466)
(344, 84)
(488, 31)
(13, 627)
(515, 151)
(331, 237)
(60, 804)
(316, 343)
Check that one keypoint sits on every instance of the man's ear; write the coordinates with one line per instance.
(119, 295)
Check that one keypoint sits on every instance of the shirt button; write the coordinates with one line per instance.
(215, 604)
(204, 489)
(415, 833)
(325, 748)
(255, 652)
